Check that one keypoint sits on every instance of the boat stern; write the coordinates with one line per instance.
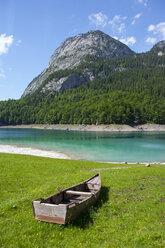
(49, 212)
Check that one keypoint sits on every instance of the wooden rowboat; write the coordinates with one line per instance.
(67, 204)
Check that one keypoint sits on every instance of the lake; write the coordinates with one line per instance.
(93, 146)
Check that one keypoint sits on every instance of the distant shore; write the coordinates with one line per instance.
(102, 128)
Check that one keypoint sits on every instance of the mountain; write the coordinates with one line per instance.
(159, 48)
(70, 54)
(93, 78)
(73, 62)
(96, 43)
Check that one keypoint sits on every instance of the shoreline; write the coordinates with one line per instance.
(96, 128)
(13, 149)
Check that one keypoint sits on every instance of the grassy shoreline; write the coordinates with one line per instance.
(129, 213)
(110, 128)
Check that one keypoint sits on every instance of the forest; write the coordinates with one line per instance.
(125, 91)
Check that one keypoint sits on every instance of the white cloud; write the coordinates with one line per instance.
(158, 29)
(133, 22)
(2, 75)
(18, 42)
(144, 2)
(121, 28)
(117, 23)
(151, 40)
(115, 19)
(98, 19)
(5, 43)
(136, 17)
(129, 40)
(151, 27)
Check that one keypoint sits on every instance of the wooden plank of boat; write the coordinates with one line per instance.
(71, 192)
(67, 204)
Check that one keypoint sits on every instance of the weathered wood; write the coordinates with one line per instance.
(50, 219)
(67, 204)
(71, 192)
(49, 209)
(73, 212)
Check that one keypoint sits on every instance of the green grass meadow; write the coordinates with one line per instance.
(129, 213)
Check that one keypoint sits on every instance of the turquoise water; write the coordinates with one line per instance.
(93, 146)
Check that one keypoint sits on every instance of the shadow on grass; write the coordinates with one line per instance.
(85, 218)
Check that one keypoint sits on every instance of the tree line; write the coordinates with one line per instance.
(126, 91)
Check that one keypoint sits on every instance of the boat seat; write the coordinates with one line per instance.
(68, 204)
(72, 192)
(73, 200)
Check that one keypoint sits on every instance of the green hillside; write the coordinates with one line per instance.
(125, 91)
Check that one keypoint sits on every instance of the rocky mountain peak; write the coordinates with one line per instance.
(159, 48)
(72, 52)
(160, 44)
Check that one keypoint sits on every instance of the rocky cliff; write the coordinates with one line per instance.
(159, 48)
(71, 53)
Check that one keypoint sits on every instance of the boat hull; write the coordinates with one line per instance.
(67, 204)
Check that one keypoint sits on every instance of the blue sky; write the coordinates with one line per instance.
(31, 30)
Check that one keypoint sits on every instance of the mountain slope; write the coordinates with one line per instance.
(96, 43)
(72, 52)
(132, 96)
(123, 90)
(158, 49)
(129, 90)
